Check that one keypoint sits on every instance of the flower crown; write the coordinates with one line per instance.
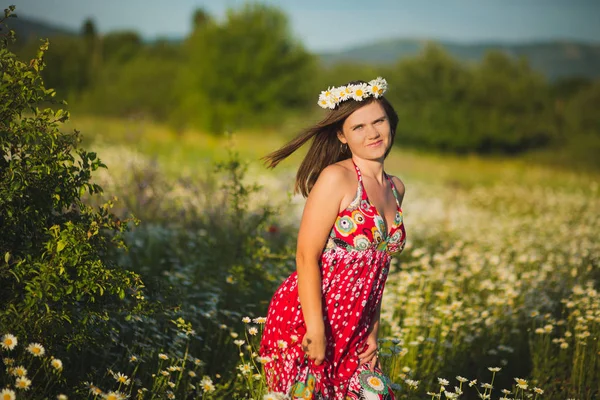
(335, 95)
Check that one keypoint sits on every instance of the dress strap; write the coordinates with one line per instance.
(394, 191)
(358, 174)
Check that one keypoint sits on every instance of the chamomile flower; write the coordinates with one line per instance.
(246, 320)
(360, 91)
(62, 397)
(521, 383)
(122, 378)
(494, 369)
(7, 394)
(253, 331)
(56, 364)
(114, 396)
(163, 356)
(19, 371)
(259, 320)
(9, 341)
(377, 87)
(282, 344)
(238, 342)
(443, 382)
(192, 374)
(245, 368)
(461, 379)
(22, 383)
(36, 349)
(538, 390)
(207, 385)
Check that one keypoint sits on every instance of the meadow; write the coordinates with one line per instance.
(495, 295)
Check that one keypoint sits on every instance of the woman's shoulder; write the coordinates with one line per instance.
(400, 187)
(338, 173)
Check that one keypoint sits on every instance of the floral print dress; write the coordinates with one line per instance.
(354, 266)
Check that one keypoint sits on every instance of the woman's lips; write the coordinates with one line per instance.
(375, 144)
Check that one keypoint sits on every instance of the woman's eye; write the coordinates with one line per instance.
(358, 127)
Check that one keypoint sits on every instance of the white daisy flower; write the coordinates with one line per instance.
(7, 394)
(9, 341)
(36, 349)
(238, 342)
(57, 364)
(260, 320)
(360, 91)
(246, 320)
(114, 396)
(19, 371)
(122, 378)
(163, 356)
(253, 330)
(62, 397)
(22, 383)
(282, 344)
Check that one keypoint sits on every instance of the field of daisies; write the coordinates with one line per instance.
(494, 297)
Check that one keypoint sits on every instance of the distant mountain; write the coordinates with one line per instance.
(553, 58)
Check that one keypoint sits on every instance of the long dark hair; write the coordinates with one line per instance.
(326, 149)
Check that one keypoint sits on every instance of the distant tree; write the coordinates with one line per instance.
(120, 46)
(200, 18)
(245, 70)
(88, 29)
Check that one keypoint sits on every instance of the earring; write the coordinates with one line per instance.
(342, 149)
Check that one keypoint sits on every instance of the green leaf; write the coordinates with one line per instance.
(60, 246)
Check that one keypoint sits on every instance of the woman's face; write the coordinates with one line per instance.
(367, 132)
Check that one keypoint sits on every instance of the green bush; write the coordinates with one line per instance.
(57, 281)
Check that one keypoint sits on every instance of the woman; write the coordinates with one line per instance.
(320, 336)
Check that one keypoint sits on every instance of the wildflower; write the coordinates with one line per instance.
(274, 396)
(121, 378)
(9, 341)
(260, 320)
(133, 359)
(253, 331)
(238, 342)
(170, 395)
(245, 368)
(443, 382)
(163, 356)
(412, 383)
(192, 387)
(521, 383)
(165, 373)
(8, 361)
(484, 396)
(57, 364)
(197, 361)
(505, 391)
(257, 377)
(171, 384)
(246, 320)
(473, 382)
(461, 379)
(22, 383)
(451, 395)
(294, 338)
(95, 390)
(263, 360)
(538, 390)
(172, 368)
(282, 344)
(192, 374)
(486, 386)
(494, 369)
(114, 396)
(564, 345)
(233, 334)
(19, 371)
(207, 385)
(62, 397)
(7, 394)
(36, 349)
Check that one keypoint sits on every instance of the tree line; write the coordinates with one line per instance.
(249, 71)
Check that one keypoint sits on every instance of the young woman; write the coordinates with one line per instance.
(320, 336)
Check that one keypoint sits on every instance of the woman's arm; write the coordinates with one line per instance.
(320, 212)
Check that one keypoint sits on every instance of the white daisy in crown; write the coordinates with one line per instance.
(333, 96)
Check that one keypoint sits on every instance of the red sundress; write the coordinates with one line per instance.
(354, 266)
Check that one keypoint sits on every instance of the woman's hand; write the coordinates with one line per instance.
(314, 345)
(369, 355)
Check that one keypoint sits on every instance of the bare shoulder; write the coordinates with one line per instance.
(400, 188)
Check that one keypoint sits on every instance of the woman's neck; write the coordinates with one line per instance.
(370, 168)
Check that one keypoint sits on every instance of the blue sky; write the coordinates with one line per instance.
(334, 24)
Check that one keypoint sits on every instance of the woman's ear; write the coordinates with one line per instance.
(341, 137)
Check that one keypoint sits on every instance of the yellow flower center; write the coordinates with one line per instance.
(359, 92)
(20, 372)
(8, 342)
(375, 89)
(36, 350)
(21, 384)
(6, 396)
(111, 397)
(374, 381)
(327, 94)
